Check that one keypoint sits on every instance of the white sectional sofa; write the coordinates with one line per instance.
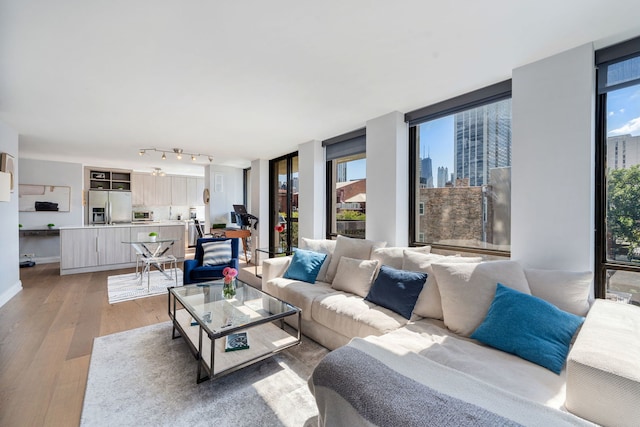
(383, 353)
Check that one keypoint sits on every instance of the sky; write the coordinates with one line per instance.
(623, 111)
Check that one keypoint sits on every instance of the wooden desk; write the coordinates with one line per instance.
(242, 234)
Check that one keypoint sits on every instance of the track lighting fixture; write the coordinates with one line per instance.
(177, 151)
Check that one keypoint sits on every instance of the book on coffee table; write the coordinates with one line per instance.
(237, 341)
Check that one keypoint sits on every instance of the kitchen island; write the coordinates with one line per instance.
(100, 247)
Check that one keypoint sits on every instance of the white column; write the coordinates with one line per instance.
(311, 199)
(260, 202)
(387, 179)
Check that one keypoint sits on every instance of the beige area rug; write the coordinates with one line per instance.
(125, 287)
(144, 378)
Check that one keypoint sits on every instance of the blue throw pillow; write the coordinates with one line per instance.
(305, 266)
(397, 290)
(528, 327)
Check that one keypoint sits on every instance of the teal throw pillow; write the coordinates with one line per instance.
(397, 290)
(528, 327)
(305, 265)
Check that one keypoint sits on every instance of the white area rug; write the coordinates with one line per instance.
(125, 287)
(144, 378)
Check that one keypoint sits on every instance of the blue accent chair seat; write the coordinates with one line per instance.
(195, 272)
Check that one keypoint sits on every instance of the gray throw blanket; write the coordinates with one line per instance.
(385, 398)
(372, 382)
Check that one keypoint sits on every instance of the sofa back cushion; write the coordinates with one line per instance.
(351, 248)
(354, 275)
(567, 290)
(393, 256)
(324, 246)
(429, 302)
(467, 290)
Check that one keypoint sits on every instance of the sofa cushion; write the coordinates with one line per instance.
(299, 293)
(603, 367)
(216, 253)
(467, 290)
(393, 256)
(429, 302)
(397, 290)
(567, 290)
(305, 265)
(324, 246)
(351, 248)
(352, 316)
(529, 327)
(355, 275)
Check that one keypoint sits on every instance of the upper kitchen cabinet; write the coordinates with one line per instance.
(195, 187)
(137, 189)
(163, 190)
(179, 191)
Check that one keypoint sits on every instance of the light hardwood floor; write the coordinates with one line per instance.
(46, 337)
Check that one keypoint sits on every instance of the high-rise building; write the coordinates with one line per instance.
(443, 175)
(341, 172)
(426, 173)
(482, 141)
(623, 151)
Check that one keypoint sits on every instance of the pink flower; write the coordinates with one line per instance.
(229, 272)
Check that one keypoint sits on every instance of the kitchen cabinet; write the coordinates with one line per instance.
(179, 191)
(91, 247)
(149, 190)
(100, 179)
(98, 248)
(78, 248)
(163, 191)
(195, 187)
(137, 189)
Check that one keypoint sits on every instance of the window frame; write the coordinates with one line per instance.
(612, 54)
(484, 96)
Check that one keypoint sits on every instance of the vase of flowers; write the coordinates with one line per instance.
(280, 229)
(229, 287)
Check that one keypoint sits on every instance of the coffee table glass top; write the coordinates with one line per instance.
(219, 316)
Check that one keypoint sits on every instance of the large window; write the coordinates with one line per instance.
(618, 170)
(460, 160)
(346, 185)
(284, 201)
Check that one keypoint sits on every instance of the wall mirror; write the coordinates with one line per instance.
(44, 198)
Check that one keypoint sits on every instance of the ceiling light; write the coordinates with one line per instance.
(158, 172)
(177, 151)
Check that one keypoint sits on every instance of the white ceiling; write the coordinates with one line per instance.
(95, 81)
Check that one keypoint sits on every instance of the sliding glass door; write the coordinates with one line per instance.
(283, 220)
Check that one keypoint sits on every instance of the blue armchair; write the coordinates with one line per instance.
(195, 272)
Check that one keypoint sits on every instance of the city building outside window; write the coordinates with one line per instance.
(346, 185)
(618, 172)
(460, 166)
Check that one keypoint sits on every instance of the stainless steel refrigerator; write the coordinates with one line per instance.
(109, 207)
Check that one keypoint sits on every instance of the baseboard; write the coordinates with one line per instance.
(46, 260)
(10, 293)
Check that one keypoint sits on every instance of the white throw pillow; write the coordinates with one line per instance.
(567, 290)
(354, 275)
(468, 289)
(324, 246)
(351, 248)
(429, 302)
(393, 256)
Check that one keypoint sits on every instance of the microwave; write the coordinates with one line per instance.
(142, 216)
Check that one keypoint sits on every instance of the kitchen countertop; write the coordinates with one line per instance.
(128, 224)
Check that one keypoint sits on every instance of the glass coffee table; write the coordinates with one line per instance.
(211, 324)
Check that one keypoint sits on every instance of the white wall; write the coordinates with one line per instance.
(229, 192)
(552, 200)
(388, 179)
(260, 202)
(10, 283)
(311, 200)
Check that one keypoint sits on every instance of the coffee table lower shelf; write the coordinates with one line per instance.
(265, 340)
